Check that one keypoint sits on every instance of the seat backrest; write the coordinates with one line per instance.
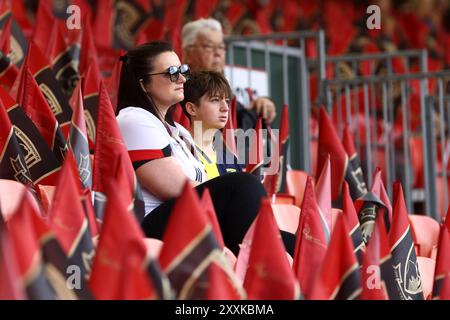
(426, 270)
(425, 234)
(11, 193)
(153, 246)
(287, 216)
(296, 183)
(283, 198)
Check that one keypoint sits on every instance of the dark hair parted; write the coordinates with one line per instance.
(211, 83)
(137, 64)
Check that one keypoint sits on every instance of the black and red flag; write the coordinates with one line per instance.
(219, 287)
(351, 218)
(43, 265)
(110, 151)
(355, 179)
(8, 70)
(375, 258)
(407, 284)
(39, 159)
(442, 270)
(64, 58)
(12, 160)
(269, 275)
(91, 85)
(370, 204)
(68, 219)
(188, 251)
(121, 19)
(329, 143)
(45, 77)
(339, 276)
(31, 99)
(78, 141)
(311, 241)
(18, 42)
(122, 267)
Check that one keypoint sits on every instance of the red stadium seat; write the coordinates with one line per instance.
(153, 246)
(426, 270)
(287, 216)
(282, 198)
(296, 182)
(425, 234)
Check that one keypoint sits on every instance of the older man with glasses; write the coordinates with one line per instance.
(204, 50)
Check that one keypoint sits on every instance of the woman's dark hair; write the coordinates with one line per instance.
(137, 64)
(200, 83)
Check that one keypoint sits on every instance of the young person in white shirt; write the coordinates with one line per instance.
(163, 152)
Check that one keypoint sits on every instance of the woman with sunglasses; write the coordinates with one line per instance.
(163, 152)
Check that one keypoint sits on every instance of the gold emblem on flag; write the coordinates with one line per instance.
(20, 170)
(83, 168)
(51, 99)
(407, 277)
(31, 155)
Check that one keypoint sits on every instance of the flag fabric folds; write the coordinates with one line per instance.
(269, 275)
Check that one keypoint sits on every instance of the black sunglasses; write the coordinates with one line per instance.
(174, 72)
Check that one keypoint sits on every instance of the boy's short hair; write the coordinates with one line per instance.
(212, 83)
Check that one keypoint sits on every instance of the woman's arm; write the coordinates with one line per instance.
(164, 178)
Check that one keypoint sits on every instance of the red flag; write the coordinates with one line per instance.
(329, 143)
(188, 251)
(208, 206)
(12, 162)
(256, 154)
(110, 150)
(311, 243)
(339, 277)
(44, 25)
(356, 179)
(121, 256)
(49, 86)
(8, 70)
(269, 275)
(228, 130)
(377, 250)
(78, 141)
(40, 251)
(379, 190)
(404, 267)
(10, 282)
(351, 219)
(113, 82)
(442, 271)
(88, 51)
(204, 8)
(68, 220)
(39, 159)
(103, 25)
(37, 109)
(219, 287)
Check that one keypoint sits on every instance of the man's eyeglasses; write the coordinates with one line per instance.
(209, 47)
(174, 72)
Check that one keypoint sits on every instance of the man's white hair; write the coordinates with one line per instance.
(192, 29)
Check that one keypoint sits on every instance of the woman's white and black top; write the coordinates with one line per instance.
(147, 139)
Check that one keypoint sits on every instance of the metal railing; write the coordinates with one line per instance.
(399, 158)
